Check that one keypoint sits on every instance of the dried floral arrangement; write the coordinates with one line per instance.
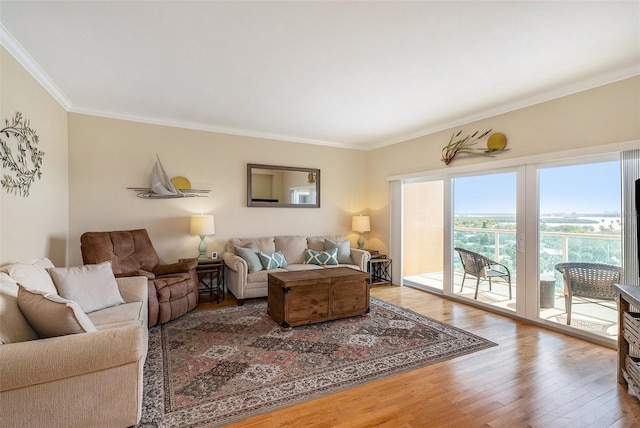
(464, 146)
(25, 164)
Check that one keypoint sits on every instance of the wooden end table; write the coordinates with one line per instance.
(380, 268)
(210, 274)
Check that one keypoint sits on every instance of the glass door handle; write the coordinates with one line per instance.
(520, 243)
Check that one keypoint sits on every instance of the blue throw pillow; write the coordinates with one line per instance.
(271, 260)
(322, 258)
(250, 255)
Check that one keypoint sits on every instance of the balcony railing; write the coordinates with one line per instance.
(555, 247)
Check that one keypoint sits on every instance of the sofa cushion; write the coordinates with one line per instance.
(355, 267)
(263, 244)
(272, 260)
(93, 287)
(117, 316)
(344, 250)
(262, 276)
(293, 247)
(33, 276)
(317, 242)
(302, 266)
(13, 325)
(321, 258)
(250, 255)
(51, 315)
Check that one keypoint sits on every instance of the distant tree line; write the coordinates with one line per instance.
(591, 250)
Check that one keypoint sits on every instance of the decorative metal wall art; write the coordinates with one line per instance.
(161, 187)
(20, 155)
(465, 146)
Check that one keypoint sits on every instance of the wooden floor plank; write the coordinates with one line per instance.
(533, 378)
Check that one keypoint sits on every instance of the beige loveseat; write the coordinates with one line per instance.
(83, 379)
(244, 283)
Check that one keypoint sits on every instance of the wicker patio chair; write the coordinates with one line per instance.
(482, 268)
(589, 281)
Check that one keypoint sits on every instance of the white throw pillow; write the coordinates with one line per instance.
(33, 276)
(93, 287)
(51, 315)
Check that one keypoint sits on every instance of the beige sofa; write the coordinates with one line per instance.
(244, 284)
(90, 379)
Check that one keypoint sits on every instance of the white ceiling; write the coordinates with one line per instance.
(348, 74)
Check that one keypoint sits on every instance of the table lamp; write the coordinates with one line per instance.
(202, 225)
(360, 223)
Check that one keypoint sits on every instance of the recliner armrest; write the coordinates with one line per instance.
(180, 267)
(145, 273)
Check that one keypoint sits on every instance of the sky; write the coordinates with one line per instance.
(589, 188)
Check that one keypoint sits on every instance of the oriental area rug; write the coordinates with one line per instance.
(213, 367)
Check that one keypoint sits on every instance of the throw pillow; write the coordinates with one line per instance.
(321, 258)
(292, 247)
(51, 315)
(250, 255)
(34, 276)
(93, 287)
(14, 327)
(344, 250)
(272, 260)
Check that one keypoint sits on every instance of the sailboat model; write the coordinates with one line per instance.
(161, 187)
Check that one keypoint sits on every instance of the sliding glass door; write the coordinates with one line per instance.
(484, 238)
(423, 234)
(580, 234)
(499, 238)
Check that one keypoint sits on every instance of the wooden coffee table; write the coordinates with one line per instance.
(310, 296)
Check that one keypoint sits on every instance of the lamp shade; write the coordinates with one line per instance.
(360, 223)
(202, 225)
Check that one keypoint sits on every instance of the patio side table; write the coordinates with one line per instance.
(547, 292)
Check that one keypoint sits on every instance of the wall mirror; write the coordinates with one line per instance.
(282, 186)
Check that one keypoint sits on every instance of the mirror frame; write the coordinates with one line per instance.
(255, 203)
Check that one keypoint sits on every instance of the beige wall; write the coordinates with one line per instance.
(85, 173)
(604, 115)
(35, 226)
(108, 155)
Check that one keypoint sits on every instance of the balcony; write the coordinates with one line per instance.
(555, 247)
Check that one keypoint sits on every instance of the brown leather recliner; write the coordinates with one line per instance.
(173, 288)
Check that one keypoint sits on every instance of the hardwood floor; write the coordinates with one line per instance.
(533, 378)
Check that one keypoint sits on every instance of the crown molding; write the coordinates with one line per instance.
(209, 128)
(21, 55)
(560, 92)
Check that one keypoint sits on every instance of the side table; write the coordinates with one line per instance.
(380, 269)
(211, 277)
